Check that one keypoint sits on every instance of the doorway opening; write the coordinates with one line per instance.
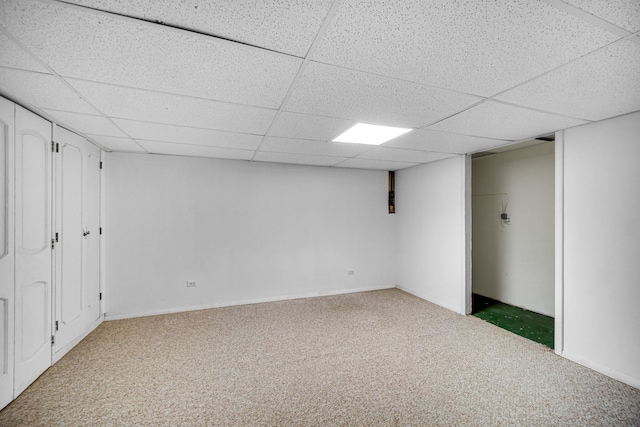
(513, 246)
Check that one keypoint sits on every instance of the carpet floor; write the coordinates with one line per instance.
(367, 359)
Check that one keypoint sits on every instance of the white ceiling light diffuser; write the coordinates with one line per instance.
(362, 133)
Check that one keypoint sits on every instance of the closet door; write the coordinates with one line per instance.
(77, 285)
(69, 292)
(6, 251)
(91, 248)
(32, 247)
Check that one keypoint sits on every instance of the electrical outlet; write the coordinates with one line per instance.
(191, 284)
(351, 272)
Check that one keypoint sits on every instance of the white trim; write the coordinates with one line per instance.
(426, 297)
(103, 222)
(64, 350)
(633, 382)
(559, 244)
(466, 303)
(242, 302)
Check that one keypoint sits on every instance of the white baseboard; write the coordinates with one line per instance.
(459, 310)
(64, 350)
(242, 302)
(633, 382)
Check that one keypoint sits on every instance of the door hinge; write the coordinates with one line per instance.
(100, 165)
(100, 296)
(57, 147)
(56, 325)
(53, 244)
(53, 147)
(101, 230)
(53, 339)
(57, 238)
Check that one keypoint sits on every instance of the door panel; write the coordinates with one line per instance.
(6, 251)
(35, 311)
(70, 248)
(34, 190)
(77, 284)
(33, 264)
(92, 224)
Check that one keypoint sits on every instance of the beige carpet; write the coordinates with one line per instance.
(367, 359)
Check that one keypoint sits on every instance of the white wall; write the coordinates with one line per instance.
(244, 231)
(601, 222)
(430, 232)
(514, 263)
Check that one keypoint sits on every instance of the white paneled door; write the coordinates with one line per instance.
(77, 289)
(91, 218)
(6, 251)
(33, 247)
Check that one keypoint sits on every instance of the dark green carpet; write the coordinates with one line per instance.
(534, 326)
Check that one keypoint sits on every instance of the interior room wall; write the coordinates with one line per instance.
(245, 232)
(430, 231)
(601, 220)
(513, 261)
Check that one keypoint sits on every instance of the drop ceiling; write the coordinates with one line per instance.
(277, 80)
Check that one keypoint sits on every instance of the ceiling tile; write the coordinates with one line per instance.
(14, 56)
(317, 148)
(306, 126)
(623, 13)
(479, 47)
(42, 91)
(107, 48)
(188, 135)
(195, 150)
(598, 86)
(116, 144)
(142, 105)
(297, 159)
(274, 24)
(86, 123)
(500, 121)
(402, 155)
(332, 91)
(375, 164)
(444, 142)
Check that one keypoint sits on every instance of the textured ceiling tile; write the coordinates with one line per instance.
(296, 159)
(195, 150)
(444, 142)
(42, 91)
(402, 155)
(142, 105)
(284, 26)
(332, 91)
(375, 164)
(623, 13)
(14, 56)
(187, 135)
(500, 121)
(99, 47)
(305, 126)
(318, 148)
(598, 86)
(85, 123)
(473, 46)
(117, 144)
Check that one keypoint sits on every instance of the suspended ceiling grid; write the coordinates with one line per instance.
(276, 80)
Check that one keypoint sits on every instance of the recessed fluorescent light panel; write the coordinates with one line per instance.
(361, 133)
